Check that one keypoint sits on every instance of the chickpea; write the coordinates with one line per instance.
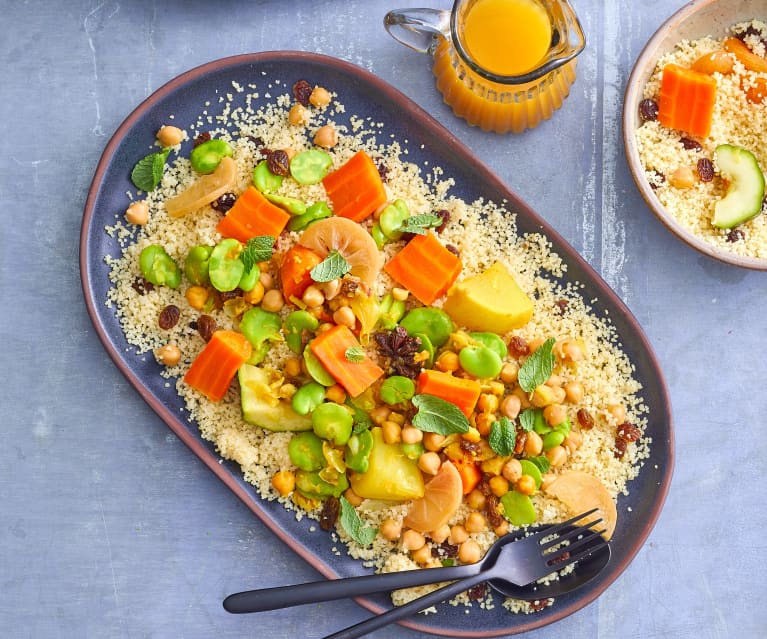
(458, 535)
(284, 482)
(523, 397)
(483, 423)
(292, 367)
(499, 485)
(353, 498)
(391, 432)
(422, 556)
(137, 213)
(573, 441)
(267, 281)
(682, 178)
(400, 294)
(411, 435)
(542, 396)
(502, 528)
(510, 406)
(469, 552)
(345, 316)
(380, 414)
(441, 534)
(319, 97)
(556, 456)
(326, 137)
(331, 289)
(390, 529)
(298, 115)
(546, 480)
(509, 372)
(429, 463)
(170, 135)
(559, 394)
(335, 393)
(475, 522)
(525, 485)
(512, 470)
(254, 295)
(196, 296)
(487, 403)
(554, 414)
(476, 499)
(433, 441)
(399, 418)
(555, 381)
(533, 444)
(618, 411)
(313, 297)
(169, 355)
(534, 344)
(273, 301)
(574, 392)
(447, 362)
(412, 540)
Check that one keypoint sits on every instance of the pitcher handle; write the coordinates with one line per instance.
(418, 28)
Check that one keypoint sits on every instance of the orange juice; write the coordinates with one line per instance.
(507, 37)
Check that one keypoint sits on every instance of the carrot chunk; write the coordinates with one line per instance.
(214, 368)
(252, 215)
(295, 271)
(355, 189)
(425, 268)
(470, 474)
(331, 349)
(464, 393)
(686, 100)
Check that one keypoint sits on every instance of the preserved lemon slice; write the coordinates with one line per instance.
(350, 240)
(580, 492)
(204, 190)
(441, 499)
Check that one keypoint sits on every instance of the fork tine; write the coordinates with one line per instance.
(555, 528)
(588, 538)
(579, 530)
(601, 542)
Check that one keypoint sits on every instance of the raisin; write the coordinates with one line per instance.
(169, 317)
(648, 110)
(735, 235)
(690, 144)
(585, 419)
(230, 295)
(628, 432)
(224, 203)
(453, 249)
(444, 550)
(540, 604)
(383, 171)
(329, 513)
(445, 215)
(491, 511)
(519, 446)
(620, 448)
(478, 592)
(561, 306)
(705, 170)
(655, 178)
(202, 137)
(142, 286)
(206, 326)
(278, 162)
(518, 347)
(301, 92)
(258, 142)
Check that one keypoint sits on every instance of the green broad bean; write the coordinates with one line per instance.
(250, 278)
(332, 422)
(518, 508)
(305, 451)
(412, 451)
(334, 457)
(427, 346)
(309, 167)
(208, 155)
(358, 448)
(313, 486)
(480, 361)
(225, 268)
(552, 439)
(392, 218)
(529, 468)
(314, 212)
(397, 389)
(492, 341)
(308, 397)
(158, 267)
(290, 204)
(378, 235)
(295, 325)
(259, 327)
(316, 370)
(196, 265)
(391, 312)
(565, 426)
(264, 180)
(432, 322)
(539, 423)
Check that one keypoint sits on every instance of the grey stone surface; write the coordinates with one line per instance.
(112, 529)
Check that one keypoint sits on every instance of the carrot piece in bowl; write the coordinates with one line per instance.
(687, 100)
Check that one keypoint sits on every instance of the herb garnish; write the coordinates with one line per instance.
(258, 249)
(435, 415)
(527, 419)
(354, 354)
(331, 268)
(503, 436)
(537, 368)
(419, 223)
(147, 173)
(541, 462)
(352, 524)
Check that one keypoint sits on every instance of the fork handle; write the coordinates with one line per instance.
(327, 590)
(401, 612)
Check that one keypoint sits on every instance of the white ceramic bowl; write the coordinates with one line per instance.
(694, 20)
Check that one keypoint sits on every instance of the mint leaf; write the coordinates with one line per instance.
(352, 524)
(435, 415)
(419, 223)
(503, 436)
(258, 249)
(542, 463)
(527, 419)
(147, 173)
(538, 367)
(331, 268)
(354, 354)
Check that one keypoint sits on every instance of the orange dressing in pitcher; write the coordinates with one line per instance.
(507, 37)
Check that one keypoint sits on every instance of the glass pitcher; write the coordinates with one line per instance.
(502, 65)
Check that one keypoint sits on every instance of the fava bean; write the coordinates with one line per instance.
(314, 212)
(518, 508)
(529, 468)
(309, 167)
(392, 218)
(314, 486)
(316, 370)
(226, 269)
(412, 451)
(208, 155)
(260, 327)
(427, 346)
(492, 341)
(357, 456)
(305, 451)
(432, 322)
(332, 422)
(391, 312)
(552, 439)
(480, 361)
(264, 180)
(378, 235)
(196, 265)
(290, 204)
(397, 389)
(295, 325)
(308, 397)
(158, 267)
